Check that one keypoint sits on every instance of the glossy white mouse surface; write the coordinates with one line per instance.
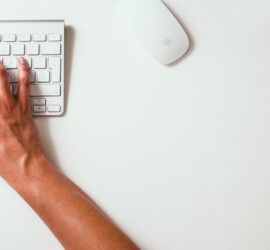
(157, 28)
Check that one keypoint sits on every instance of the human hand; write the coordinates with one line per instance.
(25, 167)
(19, 140)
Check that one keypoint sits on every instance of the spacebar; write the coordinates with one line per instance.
(45, 90)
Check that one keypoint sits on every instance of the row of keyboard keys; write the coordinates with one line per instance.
(39, 105)
(40, 90)
(45, 90)
(39, 76)
(46, 70)
(30, 49)
(28, 38)
(50, 108)
(38, 62)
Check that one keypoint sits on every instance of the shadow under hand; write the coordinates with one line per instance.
(47, 142)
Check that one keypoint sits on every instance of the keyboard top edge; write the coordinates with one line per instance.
(41, 20)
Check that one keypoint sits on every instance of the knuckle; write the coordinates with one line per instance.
(25, 80)
(24, 68)
(24, 76)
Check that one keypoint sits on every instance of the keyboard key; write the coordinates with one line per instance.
(9, 38)
(50, 49)
(54, 108)
(32, 49)
(39, 62)
(4, 49)
(13, 75)
(39, 101)
(45, 90)
(11, 88)
(24, 38)
(43, 75)
(15, 89)
(39, 109)
(10, 62)
(54, 37)
(55, 65)
(32, 76)
(39, 37)
(17, 49)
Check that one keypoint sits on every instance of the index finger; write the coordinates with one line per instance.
(24, 83)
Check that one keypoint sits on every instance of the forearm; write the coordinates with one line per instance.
(71, 215)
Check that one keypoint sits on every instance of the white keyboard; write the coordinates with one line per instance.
(42, 45)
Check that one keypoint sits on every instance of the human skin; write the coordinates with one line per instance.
(70, 214)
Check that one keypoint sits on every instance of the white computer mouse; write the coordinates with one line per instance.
(157, 28)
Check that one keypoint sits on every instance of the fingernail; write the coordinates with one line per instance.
(21, 60)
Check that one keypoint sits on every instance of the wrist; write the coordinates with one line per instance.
(31, 169)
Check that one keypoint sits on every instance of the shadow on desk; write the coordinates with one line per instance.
(43, 123)
(69, 45)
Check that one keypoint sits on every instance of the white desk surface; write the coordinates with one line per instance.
(178, 156)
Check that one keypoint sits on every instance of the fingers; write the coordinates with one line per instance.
(24, 84)
(5, 92)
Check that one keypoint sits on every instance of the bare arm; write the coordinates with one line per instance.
(70, 214)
